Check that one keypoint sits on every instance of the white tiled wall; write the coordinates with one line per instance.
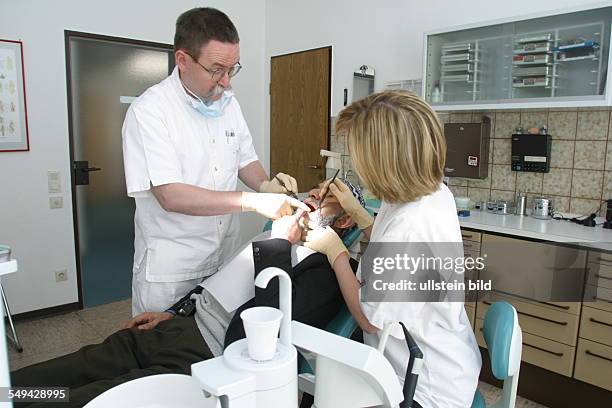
(581, 159)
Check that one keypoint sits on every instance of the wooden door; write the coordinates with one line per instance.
(300, 97)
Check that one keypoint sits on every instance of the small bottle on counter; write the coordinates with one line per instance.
(521, 204)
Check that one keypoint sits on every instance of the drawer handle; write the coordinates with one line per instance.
(534, 316)
(470, 245)
(597, 355)
(554, 305)
(602, 276)
(543, 318)
(600, 322)
(543, 349)
(466, 236)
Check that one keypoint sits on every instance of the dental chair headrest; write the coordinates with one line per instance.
(356, 191)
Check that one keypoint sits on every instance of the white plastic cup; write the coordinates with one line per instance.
(261, 325)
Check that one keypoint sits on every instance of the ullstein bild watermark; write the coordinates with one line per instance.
(441, 272)
(419, 272)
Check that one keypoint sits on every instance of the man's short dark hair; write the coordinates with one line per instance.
(196, 27)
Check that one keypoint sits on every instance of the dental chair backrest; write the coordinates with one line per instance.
(504, 339)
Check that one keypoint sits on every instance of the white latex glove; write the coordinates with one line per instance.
(326, 241)
(288, 227)
(275, 186)
(351, 204)
(271, 205)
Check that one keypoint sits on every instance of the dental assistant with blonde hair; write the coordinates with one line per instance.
(398, 149)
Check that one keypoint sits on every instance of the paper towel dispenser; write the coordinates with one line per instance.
(467, 149)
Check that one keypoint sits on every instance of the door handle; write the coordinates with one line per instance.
(81, 172)
(313, 166)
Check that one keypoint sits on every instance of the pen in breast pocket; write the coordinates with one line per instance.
(228, 134)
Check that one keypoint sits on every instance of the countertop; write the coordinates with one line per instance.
(546, 230)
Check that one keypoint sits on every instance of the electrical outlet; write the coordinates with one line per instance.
(61, 276)
(56, 202)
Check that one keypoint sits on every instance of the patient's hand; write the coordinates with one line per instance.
(288, 227)
(147, 320)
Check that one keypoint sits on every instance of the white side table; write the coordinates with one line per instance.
(5, 269)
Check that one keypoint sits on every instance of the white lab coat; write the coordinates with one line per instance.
(165, 140)
(441, 329)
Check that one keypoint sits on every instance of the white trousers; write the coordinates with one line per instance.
(156, 296)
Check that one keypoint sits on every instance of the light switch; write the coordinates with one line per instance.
(56, 202)
(54, 182)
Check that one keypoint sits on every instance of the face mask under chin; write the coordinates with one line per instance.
(216, 108)
(212, 109)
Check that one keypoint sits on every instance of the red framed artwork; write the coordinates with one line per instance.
(14, 135)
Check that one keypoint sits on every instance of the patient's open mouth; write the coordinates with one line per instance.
(312, 207)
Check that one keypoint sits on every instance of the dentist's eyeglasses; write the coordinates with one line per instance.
(217, 74)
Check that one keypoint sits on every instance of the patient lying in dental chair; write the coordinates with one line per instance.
(199, 325)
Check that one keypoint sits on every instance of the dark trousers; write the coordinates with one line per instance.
(170, 348)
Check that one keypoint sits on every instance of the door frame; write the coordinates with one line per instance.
(329, 93)
(68, 35)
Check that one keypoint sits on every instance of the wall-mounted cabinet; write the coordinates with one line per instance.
(547, 61)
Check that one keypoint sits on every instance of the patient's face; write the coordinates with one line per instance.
(330, 208)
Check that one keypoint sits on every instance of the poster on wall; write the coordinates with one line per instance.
(14, 135)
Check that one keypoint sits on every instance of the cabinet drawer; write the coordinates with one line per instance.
(597, 297)
(594, 364)
(541, 321)
(599, 274)
(471, 247)
(544, 353)
(472, 235)
(596, 325)
(470, 253)
(565, 307)
(604, 258)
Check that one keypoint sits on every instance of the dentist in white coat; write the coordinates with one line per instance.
(185, 145)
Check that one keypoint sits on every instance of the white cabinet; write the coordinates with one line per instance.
(542, 61)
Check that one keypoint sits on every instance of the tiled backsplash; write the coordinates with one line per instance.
(580, 176)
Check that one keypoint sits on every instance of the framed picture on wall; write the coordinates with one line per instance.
(14, 136)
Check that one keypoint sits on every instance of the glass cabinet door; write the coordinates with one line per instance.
(561, 57)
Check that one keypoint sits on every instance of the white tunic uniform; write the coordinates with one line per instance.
(165, 140)
(441, 329)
